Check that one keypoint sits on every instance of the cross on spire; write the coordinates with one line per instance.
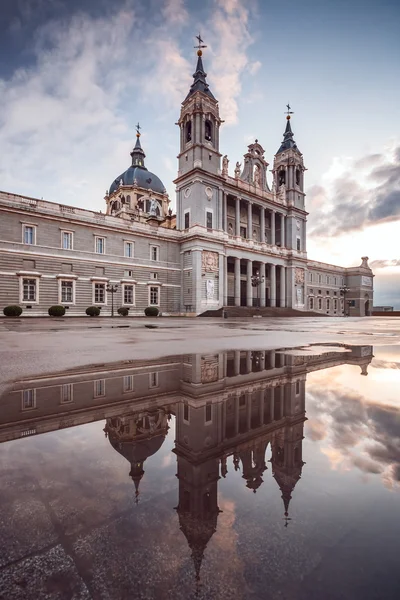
(138, 128)
(200, 45)
(288, 111)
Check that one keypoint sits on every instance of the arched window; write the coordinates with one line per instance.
(282, 177)
(208, 131)
(188, 133)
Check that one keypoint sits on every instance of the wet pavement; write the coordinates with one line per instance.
(237, 472)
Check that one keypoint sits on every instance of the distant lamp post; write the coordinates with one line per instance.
(256, 281)
(112, 289)
(343, 291)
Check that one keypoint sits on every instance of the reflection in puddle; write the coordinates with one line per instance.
(237, 421)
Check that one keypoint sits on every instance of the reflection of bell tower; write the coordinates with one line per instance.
(287, 461)
(198, 504)
(137, 436)
(253, 461)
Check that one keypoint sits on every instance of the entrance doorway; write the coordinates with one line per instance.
(243, 293)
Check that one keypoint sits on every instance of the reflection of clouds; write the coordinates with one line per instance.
(356, 432)
(384, 364)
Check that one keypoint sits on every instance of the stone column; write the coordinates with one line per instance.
(262, 284)
(261, 401)
(283, 288)
(250, 221)
(282, 398)
(220, 209)
(249, 288)
(272, 227)
(237, 282)
(283, 236)
(225, 197)
(272, 402)
(272, 359)
(223, 288)
(273, 284)
(249, 397)
(196, 263)
(237, 224)
(249, 364)
(236, 414)
(262, 224)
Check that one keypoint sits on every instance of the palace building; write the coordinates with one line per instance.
(235, 241)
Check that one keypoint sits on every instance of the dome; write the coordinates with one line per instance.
(144, 179)
(138, 173)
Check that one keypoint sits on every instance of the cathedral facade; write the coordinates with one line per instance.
(235, 240)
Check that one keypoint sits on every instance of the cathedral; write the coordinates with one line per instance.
(236, 240)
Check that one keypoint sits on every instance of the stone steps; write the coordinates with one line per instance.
(245, 312)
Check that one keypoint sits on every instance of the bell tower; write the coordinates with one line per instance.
(288, 184)
(199, 124)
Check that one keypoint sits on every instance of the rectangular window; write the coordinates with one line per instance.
(328, 304)
(29, 234)
(128, 273)
(28, 399)
(153, 380)
(154, 296)
(67, 291)
(66, 393)
(297, 388)
(153, 275)
(29, 290)
(186, 412)
(28, 265)
(298, 244)
(328, 280)
(208, 412)
(66, 268)
(154, 252)
(319, 278)
(335, 280)
(66, 240)
(209, 220)
(100, 245)
(334, 304)
(99, 293)
(128, 383)
(99, 388)
(129, 249)
(310, 277)
(319, 303)
(311, 303)
(187, 220)
(243, 232)
(129, 295)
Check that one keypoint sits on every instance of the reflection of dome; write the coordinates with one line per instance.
(135, 452)
(137, 174)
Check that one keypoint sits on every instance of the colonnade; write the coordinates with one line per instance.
(259, 289)
(277, 220)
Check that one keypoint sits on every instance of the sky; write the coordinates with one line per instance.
(76, 76)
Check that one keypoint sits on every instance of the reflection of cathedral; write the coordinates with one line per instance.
(233, 405)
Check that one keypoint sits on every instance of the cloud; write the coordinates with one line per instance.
(381, 264)
(356, 194)
(230, 39)
(356, 432)
(174, 12)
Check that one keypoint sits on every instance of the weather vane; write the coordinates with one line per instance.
(288, 112)
(138, 128)
(200, 45)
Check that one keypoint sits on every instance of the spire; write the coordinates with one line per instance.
(136, 474)
(199, 76)
(288, 141)
(137, 153)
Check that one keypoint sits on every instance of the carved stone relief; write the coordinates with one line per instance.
(209, 262)
(299, 275)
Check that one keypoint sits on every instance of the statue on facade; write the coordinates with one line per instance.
(210, 289)
(153, 207)
(237, 169)
(225, 164)
(282, 192)
(257, 176)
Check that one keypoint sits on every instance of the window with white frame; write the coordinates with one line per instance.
(29, 290)
(28, 399)
(154, 295)
(319, 278)
(153, 380)
(328, 304)
(319, 303)
(129, 249)
(29, 234)
(298, 244)
(310, 277)
(153, 275)
(311, 302)
(187, 219)
(334, 304)
(67, 240)
(100, 245)
(129, 293)
(99, 293)
(154, 253)
(66, 393)
(66, 291)
(99, 388)
(335, 280)
(128, 383)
